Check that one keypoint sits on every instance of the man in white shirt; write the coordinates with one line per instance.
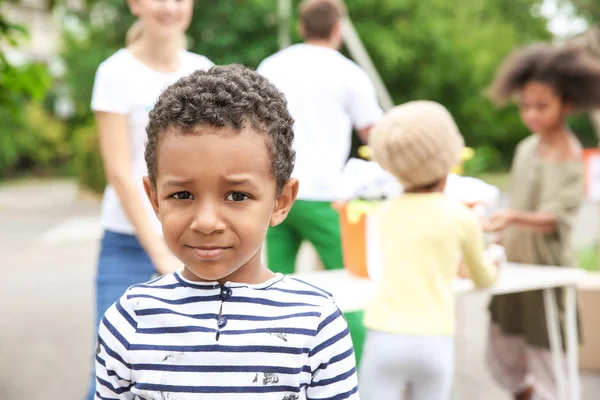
(327, 95)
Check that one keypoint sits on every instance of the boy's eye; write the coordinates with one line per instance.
(182, 196)
(237, 196)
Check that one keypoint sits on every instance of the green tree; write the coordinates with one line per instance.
(16, 82)
(19, 85)
(424, 49)
(236, 31)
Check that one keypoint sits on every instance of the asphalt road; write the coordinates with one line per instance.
(48, 247)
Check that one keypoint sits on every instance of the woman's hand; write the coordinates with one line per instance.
(163, 260)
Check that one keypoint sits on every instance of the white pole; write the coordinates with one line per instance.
(361, 56)
(553, 326)
(285, 14)
(572, 342)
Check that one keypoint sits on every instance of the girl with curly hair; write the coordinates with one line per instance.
(549, 83)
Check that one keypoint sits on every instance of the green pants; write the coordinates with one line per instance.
(318, 223)
(314, 221)
(357, 333)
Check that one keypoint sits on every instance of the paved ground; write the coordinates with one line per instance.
(48, 247)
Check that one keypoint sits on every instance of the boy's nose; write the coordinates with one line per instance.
(207, 220)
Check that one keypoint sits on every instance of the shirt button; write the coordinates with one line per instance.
(221, 322)
(225, 293)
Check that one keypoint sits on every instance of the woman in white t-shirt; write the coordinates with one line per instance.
(126, 87)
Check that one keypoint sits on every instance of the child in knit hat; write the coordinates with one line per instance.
(410, 340)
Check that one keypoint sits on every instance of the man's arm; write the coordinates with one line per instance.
(363, 134)
(364, 107)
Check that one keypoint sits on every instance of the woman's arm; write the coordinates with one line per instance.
(114, 147)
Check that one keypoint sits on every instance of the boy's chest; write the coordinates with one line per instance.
(220, 355)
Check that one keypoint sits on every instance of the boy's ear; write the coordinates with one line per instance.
(150, 190)
(284, 202)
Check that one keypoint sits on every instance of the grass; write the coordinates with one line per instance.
(589, 258)
(498, 179)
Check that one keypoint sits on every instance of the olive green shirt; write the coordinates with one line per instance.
(538, 185)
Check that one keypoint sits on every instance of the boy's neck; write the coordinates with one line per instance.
(254, 272)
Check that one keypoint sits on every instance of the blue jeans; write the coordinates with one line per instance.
(121, 264)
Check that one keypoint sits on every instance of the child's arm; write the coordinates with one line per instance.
(557, 210)
(543, 221)
(481, 271)
(332, 359)
(113, 373)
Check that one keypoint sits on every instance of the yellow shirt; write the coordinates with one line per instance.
(422, 237)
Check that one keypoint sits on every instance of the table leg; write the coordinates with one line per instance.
(553, 326)
(572, 338)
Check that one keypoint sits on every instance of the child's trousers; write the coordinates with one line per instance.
(392, 363)
(516, 366)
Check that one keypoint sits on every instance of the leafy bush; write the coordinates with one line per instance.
(486, 159)
(32, 140)
(43, 143)
(87, 161)
(9, 148)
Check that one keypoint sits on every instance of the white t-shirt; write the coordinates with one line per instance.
(327, 95)
(125, 85)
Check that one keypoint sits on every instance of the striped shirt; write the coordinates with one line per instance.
(176, 339)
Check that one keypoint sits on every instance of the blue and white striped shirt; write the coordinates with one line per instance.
(176, 339)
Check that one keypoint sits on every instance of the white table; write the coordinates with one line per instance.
(353, 294)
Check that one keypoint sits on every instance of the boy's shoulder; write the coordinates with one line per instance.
(456, 209)
(302, 290)
(164, 287)
(284, 289)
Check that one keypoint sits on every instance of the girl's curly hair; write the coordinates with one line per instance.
(570, 69)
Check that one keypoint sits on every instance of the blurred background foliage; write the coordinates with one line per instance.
(423, 49)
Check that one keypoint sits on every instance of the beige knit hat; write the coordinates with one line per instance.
(418, 142)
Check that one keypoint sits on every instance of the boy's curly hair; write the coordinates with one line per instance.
(225, 96)
(569, 69)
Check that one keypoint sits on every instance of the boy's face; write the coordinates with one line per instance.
(215, 197)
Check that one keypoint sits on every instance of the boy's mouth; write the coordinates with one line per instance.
(209, 252)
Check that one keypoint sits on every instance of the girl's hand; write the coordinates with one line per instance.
(499, 221)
